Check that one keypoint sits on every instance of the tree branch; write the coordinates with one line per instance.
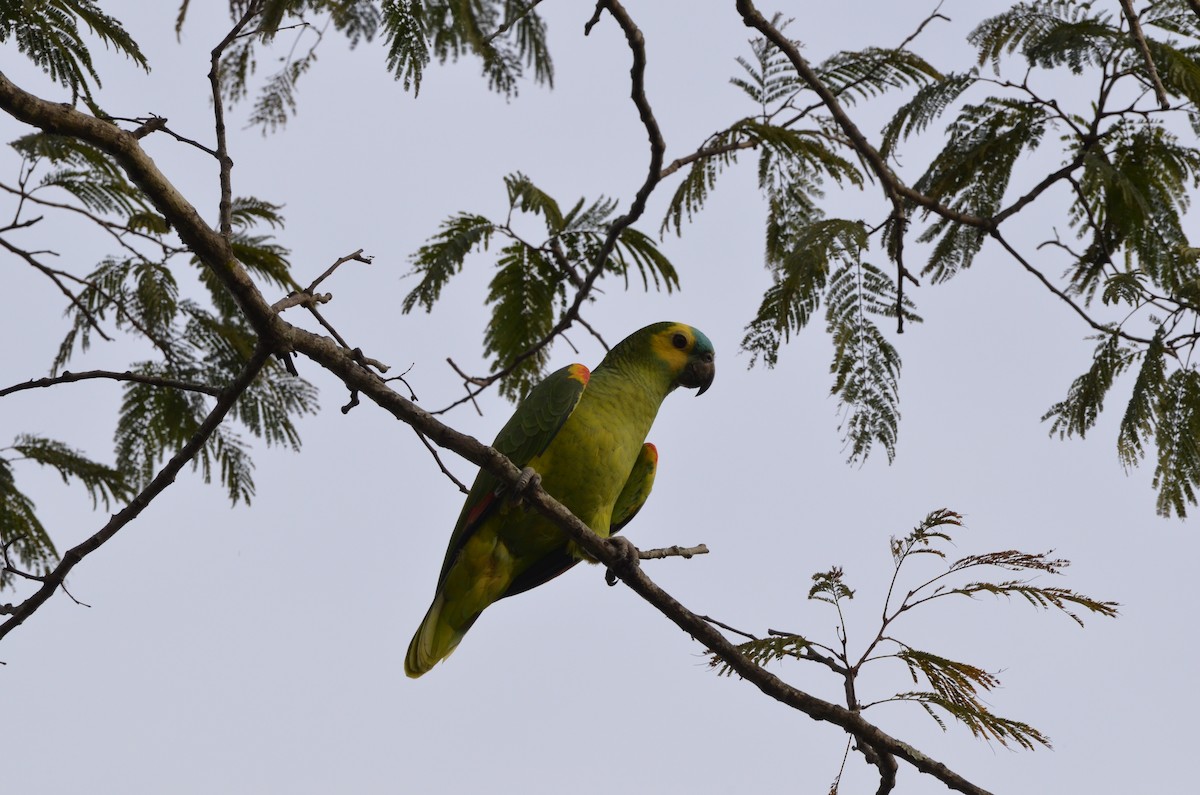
(56, 578)
(69, 377)
(222, 150)
(278, 336)
(1135, 30)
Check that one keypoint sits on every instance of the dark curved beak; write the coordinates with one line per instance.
(699, 372)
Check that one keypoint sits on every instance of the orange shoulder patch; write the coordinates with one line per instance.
(579, 373)
(651, 452)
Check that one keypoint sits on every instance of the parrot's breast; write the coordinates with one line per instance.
(590, 458)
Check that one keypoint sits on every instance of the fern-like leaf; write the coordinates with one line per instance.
(764, 650)
(443, 257)
(1078, 412)
(1048, 33)
(102, 483)
(928, 103)
(1177, 435)
(865, 74)
(1139, 420)
(523, 295)
(49, 34)
(22, 534)
(866, 366)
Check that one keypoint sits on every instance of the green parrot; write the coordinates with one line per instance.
(584, 434)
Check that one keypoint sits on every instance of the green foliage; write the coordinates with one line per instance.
(523, 294)
(1048, 34)
(1139, 420)
(26, 544)
(761, 651)
(951, 687)
(830, 586)
(155, 421)
(1137, 189)
(419, 31)
(928, 103)
(443, 257)
(1085, 399)
(83, 171)
(866, 366)
(803, 255)
(529, 291)
(1177, 435)
(971, 175)
(23, 538)
(102, 483)
(48, 32)
(869, 73)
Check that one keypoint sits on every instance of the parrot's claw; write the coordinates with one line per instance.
(528, 479)
(627, 555)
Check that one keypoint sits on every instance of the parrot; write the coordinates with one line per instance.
(583, 433)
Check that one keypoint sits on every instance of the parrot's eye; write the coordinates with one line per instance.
(679, 341)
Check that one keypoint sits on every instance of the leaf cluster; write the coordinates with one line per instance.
(50, 33)
(26, 543)
(528, 293)
(200, 343)
(950, 687)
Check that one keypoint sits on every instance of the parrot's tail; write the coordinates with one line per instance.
(434, 640)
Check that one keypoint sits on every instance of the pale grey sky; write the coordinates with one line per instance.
(260, 649)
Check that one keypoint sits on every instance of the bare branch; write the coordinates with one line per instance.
(69, 377)
(1062, 295)
(433, 451)
(672, 552)
(356, 256)
(222, 150)
(1135, 30)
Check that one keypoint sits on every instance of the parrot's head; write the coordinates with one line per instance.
(686, 353)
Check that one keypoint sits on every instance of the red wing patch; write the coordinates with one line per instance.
(579, 373)
(479, 510)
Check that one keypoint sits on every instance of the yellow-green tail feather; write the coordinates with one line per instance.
(433, 641)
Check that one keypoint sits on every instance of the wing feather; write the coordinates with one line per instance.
(528, 432)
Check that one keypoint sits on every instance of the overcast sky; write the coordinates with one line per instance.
(260, 649)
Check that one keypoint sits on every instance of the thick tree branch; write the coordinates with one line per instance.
(278, 336)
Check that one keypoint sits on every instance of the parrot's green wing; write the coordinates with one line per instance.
(637, 488)
(531, 428)
(633, 497)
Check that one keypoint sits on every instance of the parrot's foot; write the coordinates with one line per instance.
(627, 556)
(528, 479)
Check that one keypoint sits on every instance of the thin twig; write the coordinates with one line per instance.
(508, 23)
(728, 628)
(356, 256)
(433, 451)
(53, 276)
(69, 377)
(675, 551)
(222, 150)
